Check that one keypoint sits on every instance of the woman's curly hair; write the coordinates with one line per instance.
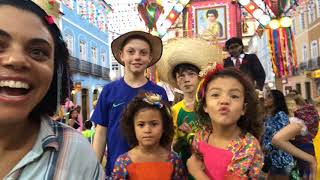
(251, 121)
(141, 101)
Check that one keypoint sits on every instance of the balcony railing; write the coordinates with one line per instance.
(313, 64)
(303, 66)
(81, 66)
(97, 70)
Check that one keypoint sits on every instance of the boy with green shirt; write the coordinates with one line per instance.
(182, 60)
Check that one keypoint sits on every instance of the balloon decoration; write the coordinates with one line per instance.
(279, 7)
(150, 12)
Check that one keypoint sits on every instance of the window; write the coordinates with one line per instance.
(311, 12)
(302, 22)
(69, 41)
(314, 49)
(115, 67)
(94, 55)
(304, 54)
(83, 50)
(103, 57)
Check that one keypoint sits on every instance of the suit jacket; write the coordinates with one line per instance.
(252, 67)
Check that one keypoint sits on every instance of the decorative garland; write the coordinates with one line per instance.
(283, 52)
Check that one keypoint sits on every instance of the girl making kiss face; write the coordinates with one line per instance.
(229, 127)
(225, 102)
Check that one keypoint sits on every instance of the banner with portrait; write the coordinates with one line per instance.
(211, 22)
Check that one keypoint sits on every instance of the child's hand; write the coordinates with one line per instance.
(185, 127)
(196, 167)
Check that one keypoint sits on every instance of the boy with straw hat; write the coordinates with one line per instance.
(136, 51)
(182, 60)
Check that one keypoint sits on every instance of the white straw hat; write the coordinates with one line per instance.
(197, 52)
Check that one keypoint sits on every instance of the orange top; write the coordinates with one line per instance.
(150, 171)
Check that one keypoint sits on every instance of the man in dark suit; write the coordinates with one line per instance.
(247, 63)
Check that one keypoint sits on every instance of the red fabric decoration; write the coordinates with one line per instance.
(49, 19)
(211, 71)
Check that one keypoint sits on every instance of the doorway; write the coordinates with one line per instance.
(84, 103)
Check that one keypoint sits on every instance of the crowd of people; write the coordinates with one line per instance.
(224, 127)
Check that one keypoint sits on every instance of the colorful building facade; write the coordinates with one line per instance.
(306, 30)
(84, 28)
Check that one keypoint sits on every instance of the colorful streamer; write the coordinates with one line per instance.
(283, 52)
(272, 51)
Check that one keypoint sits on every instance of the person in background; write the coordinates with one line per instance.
(136, 50)
(88, 131)
(80, 118)
(74, 119)
(247, 63)
(34, 73)
(278, 163)
(147, 124)
(227, 145)
(296, 138)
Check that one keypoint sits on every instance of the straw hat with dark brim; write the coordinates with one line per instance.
(197, 52)
(155, 42)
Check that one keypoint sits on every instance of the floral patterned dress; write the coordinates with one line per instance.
(124, 168)
(279, 158)
(242, 159)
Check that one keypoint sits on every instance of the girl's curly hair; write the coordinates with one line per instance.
(142, 101)
(251, 121)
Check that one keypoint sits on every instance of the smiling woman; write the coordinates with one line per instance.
(33, 79)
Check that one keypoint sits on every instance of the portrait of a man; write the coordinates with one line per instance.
(211, 22)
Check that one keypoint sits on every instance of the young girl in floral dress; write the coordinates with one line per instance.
(148, 126)
(227, 145)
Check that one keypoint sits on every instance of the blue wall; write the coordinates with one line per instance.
(81, 29)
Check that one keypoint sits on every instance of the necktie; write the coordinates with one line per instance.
(238, 63)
